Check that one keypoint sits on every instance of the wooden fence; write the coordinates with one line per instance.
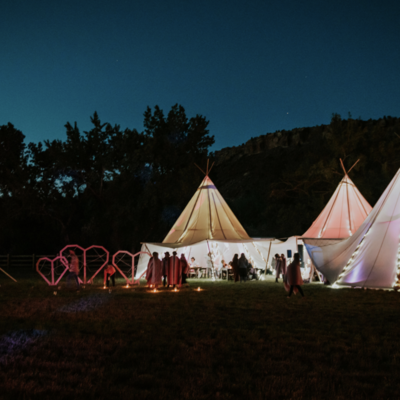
(20, 261)
(10, 261)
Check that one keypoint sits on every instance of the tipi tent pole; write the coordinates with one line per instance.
(344, 169)
(209, 255)
(353, 166)
(200, 169)
(148, 249)
(2, 270)
(348, 207)
(330, 211)
(266, 265)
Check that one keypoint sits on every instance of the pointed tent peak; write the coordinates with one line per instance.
(344, 169)
(207, 173)
(206, 217)
(343, 214)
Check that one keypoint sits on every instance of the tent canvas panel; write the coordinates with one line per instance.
(207, 216)
(369, 257)
(221, 250)
(343, 215)
(259, 251)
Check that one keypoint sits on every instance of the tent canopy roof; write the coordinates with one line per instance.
(181, 245)
(206, 217)
(343, 215)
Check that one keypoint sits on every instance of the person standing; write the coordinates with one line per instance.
(185, 269)
(165, 264)
(154, 271)
(243, 264)
(283, 265)
(273, 264)
(194, 267)
(174, 274)
(293, 275)
(73, 268)
(235, 267)
(277, 267)
(109, 273)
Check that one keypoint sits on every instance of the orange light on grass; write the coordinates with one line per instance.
(198, 289)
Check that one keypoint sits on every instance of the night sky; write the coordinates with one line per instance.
(250, 67)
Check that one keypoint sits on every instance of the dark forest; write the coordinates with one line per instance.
(117, 188)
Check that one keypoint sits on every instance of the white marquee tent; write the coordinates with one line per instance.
(208, 226)
(371, 256)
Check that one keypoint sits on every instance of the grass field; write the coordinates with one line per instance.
(228, 341)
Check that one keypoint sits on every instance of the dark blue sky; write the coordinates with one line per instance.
(250, 67)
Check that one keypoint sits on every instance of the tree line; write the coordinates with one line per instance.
(279, 192)
(104, 186)
(118, 188)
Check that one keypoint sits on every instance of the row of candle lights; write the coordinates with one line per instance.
(153, 291)
(175, 289)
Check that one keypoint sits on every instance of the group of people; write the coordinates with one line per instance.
(170, 271)
(279, 264)
(173, 271)
(240, 267)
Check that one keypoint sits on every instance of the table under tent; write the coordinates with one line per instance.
(208, 230)
(370, 258)
(344, 213)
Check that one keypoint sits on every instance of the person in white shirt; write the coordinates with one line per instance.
(195, 265)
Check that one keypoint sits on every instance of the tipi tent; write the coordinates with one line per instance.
(344, 213)
(209, 231)
(206, 217)
(371, 257)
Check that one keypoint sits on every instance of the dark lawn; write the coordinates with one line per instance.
(230, 341)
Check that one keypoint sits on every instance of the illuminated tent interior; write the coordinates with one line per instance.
(208, 226)
(344, 213)
(370, 257)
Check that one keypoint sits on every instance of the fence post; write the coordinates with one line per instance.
(33, 261)
(8, 261)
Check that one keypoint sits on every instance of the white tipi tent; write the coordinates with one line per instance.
(208, 226)
(371, 257)
(344, 213)
(206, 217)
